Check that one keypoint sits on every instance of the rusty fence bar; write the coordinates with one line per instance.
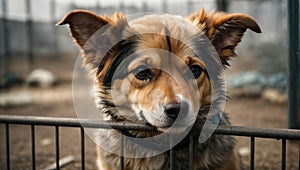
(33, 146)
(122, 152)
(57, 123)
(252, 146)
(82, 142)
(283, 151)
(57, 146)
(191, 153)
(7, 145)
(288, 134)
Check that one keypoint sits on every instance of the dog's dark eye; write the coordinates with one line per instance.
(143, 73)
(196, 70)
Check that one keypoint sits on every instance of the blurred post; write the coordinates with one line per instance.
(98, 6)
(5, 40)
(294, 64)
(164, 6)
(122, 7)
(189, 6)
(53, 22)
(222, 5)
(145, 7)
(29, 34)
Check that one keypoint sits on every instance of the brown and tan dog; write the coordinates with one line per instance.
(145, 91)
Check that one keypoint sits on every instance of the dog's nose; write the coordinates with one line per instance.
(173, 110)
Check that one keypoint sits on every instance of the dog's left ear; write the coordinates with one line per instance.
(224, 30)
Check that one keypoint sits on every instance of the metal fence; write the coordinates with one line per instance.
(57, 123)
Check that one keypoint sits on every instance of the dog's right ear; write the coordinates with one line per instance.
(95, 35)
(83, 25)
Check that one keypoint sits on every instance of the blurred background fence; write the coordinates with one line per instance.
(28, 33)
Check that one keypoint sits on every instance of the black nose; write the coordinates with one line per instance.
(173, 110)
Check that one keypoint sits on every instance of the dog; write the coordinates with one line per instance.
(148, 70)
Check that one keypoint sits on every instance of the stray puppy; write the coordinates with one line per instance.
(149, 70)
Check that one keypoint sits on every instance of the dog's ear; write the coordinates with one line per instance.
(83, 25)
(95, 35)
(224, 30)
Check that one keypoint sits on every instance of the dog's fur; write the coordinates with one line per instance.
(117, 39)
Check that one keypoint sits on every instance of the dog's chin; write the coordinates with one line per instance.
(166, 124)
(173, 129)
(170, 127)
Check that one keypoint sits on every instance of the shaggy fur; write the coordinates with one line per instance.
(127, 59)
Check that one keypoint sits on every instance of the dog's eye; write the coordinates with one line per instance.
(143, 73)
(196, 70)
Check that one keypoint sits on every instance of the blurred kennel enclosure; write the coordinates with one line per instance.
(29, 38)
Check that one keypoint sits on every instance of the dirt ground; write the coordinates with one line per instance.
(57, 102)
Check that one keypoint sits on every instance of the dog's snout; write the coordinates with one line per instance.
(173, 110)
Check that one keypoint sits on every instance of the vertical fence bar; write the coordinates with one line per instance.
(33, 146)
(171, 159)
(57, 146)
(299, 156)
(82, 148)
(191, 153)
(171, 155)
(121, 152)
(294, 64)
(252, 152)
(29, 34)
(283, 156)
(7, 146)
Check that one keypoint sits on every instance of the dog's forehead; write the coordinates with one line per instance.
(167, 32)
(177, 26)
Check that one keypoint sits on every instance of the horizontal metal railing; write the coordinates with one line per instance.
(252, 132)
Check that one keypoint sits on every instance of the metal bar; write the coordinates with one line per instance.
(57, 146)
(54, 29)
(252, 153)
(299, 156)
(258, 132)
(294, 65)
(191, 153)
(29, 34)
(222, 5)
(82, 148)
(73, 122)
(7, 146)
(98, 6)
(33, 146)
(53, 11)
(171, 154)
(283, 157)
(121, 151)
(6, 43)
(289, 134)
(171, 159)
